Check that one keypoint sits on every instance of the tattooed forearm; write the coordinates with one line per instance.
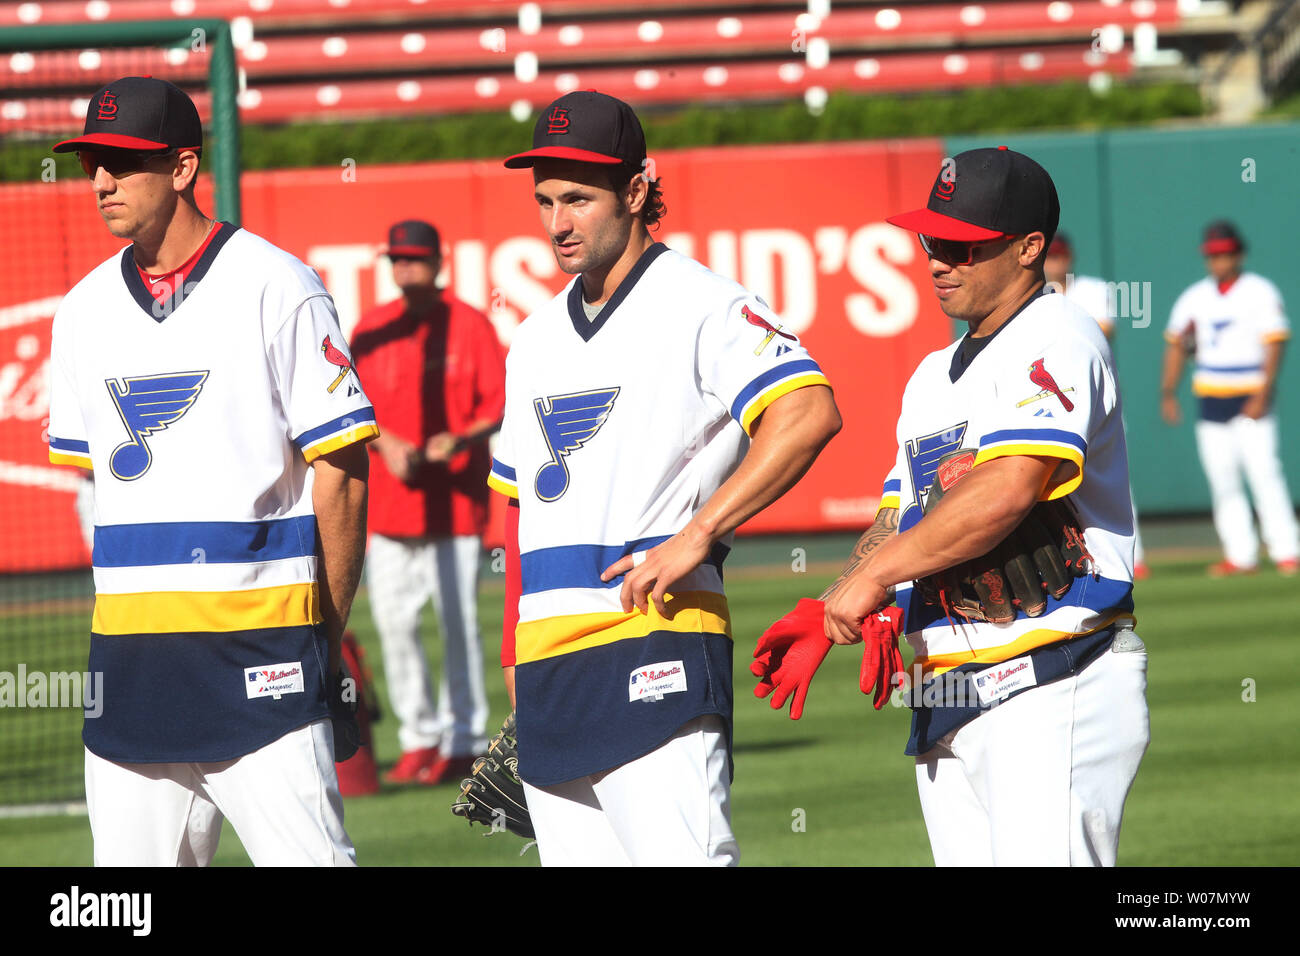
(883, 528)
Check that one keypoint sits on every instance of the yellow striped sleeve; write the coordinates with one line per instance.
(760, 404)
(365, 432)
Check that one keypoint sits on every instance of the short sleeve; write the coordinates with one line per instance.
(748, 360)
(319, 389)
(68, 442)
(1181, 320)
(1272, 315)
(1050, 400)
(502, 476)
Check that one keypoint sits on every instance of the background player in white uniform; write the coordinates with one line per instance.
(1236, 324)
(1095, 297)
(631, 400)
(197, 373)
(1027, 735)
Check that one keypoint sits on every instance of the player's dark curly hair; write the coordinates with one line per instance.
(654, 208)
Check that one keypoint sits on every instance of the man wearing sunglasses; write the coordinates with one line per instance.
(199, 374)
(1026, 734)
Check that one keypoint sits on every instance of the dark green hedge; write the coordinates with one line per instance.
(1003, 109)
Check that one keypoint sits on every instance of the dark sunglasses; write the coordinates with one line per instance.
(955, 252)
(118, 162)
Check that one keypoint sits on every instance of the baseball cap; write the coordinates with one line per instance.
(587, 126)
(1221, 236)
(1061, 245)
(139, 112)
(984, 194)
(413, 237)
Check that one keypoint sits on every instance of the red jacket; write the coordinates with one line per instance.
(439, 372)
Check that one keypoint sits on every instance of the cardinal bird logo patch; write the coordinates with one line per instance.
(568, 422)
(1047, 386)
(772, 330)
(148, 404)
(335, 357)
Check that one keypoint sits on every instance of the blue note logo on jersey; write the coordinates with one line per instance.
(923, 456)
(568, 422)
(148, 404)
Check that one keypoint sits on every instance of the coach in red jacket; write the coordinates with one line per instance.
(433, 368)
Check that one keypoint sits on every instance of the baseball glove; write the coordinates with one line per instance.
(1042, 556)
(493, 794)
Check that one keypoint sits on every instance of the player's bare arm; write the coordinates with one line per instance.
(1258, 405)
(339, 500)
(1170, 374)
(787, 438)
(885, 525)
(957, 529)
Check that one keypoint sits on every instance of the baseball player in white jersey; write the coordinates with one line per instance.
(1236, 324)
(651, 407)
(1027, 734)
(199, 374)
(1095, 297)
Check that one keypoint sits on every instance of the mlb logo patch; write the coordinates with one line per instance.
(273, 680)
(654, 680)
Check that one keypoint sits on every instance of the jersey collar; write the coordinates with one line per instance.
(589, 327)
(144, 298)
(968, 349)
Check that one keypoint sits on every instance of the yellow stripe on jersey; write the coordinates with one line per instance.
(365, 432)
(1279, 336)
(701, 612)
(1235, 390)
(1064, 452)
(942, 663)
(891, 500)
(68, 458)
(503, 486)
(176, 612)
(760, 404)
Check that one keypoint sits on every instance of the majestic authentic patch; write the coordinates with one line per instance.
(272, 680)
(655, 680)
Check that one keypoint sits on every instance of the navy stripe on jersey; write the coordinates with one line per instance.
(1095, 594)
(140, 291)
(1202, 367)
(575, 717)
(580, 565)
(588, 327)
(950, 700)
(69, 444)
(1035, 434)
(767, 379)
(504, 470)
(217, 542)
(362, 416)
(182, 697)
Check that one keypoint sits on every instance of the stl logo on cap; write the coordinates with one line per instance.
(558, 121)
(947, 184)
(108, 106)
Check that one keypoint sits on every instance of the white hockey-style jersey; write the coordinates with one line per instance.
(616, 432)
(199, 418)
(1044, 385)
(1231, 329)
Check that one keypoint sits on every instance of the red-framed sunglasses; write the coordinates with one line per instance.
(955, 252)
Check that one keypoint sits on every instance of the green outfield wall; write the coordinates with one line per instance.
(1134, 204)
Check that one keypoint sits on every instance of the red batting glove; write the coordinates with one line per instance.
(882, 663)
(789, 653)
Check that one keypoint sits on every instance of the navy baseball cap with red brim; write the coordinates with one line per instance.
(140, 113)
(588, 127)
(985, 194)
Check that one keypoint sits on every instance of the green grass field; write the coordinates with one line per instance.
(1217, 786)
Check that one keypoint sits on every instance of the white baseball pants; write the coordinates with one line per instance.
(1250, 445)
(1041, 779)
(282, 799)
(403, 574)
(671, 807)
